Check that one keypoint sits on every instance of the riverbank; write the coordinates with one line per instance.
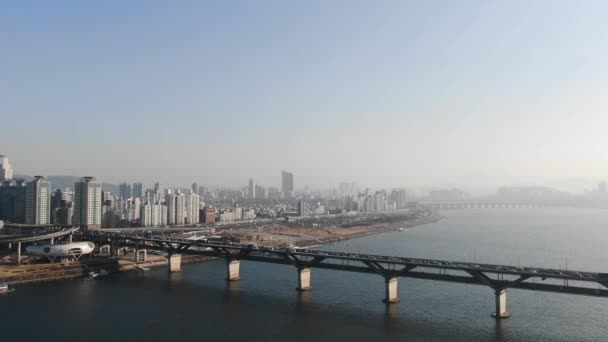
(280, 236)
(24, 274)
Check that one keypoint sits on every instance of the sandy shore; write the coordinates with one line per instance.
(16, 275)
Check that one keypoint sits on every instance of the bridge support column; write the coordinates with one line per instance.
(105, 250)
(70, 238)
(501, 304)
(18, 253)
(144, 254)
(175, 262)
(304, 279)
(392, 290)
(233, 270)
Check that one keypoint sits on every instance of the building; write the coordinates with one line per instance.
(195, 188)
(138, 190)
(62, 209)
(6, 171)
(12, 201)
(260, 192)
(38, 201)
(287, 184)
(251, 189)
(302, 208)
(124, 190)
(87, 203)
(192, 208)
(170, 202)
(399, 198)
(176, 208)
(209, 214)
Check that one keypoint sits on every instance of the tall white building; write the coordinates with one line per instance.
(176, 208)
(192, 208)
(6, 171)
(87, 203)
(146, 215)
(180, 208)
(38, 201)
(170, 202)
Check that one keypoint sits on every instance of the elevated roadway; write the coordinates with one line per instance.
(498, 277)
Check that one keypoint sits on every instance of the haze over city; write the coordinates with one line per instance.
(475, 94)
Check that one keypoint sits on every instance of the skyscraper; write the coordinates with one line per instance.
(180, 208)
(12, 201)
(176, 208)
(87, 203)
(38, 201)
(287, 184)
(6, 171)
(170, 202)
(124, 190)
(302, 208)
(192, 208)
(138, 190)
(251, 189)
(195, 188)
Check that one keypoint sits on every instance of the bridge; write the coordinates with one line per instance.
(446, 205)
(497, 277)
(50, 233)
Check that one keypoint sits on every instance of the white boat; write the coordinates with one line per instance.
(401, 229)
(95, 275)
(4, 288)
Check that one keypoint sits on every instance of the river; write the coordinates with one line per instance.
(197, 304)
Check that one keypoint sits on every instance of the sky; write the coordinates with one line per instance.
(382, 93)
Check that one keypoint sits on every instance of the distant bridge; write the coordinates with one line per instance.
(440, 205)
(497, 277)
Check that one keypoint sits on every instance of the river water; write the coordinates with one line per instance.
(197, 304)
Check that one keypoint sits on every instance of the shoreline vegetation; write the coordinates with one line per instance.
(304, 237)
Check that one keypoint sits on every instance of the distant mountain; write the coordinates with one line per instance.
(62, 182)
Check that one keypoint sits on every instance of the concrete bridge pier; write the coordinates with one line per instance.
(233, 270)
(175, 263)
(392, 290)
(105, 250)
(501, 304)
(19, 253)
(143, 253)
(304, 279)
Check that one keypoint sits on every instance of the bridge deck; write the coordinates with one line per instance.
(495, 276)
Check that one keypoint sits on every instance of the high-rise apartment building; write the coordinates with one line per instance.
(38, 201)
(6, 171)
(302, 208)
(176, 208)
(170, 202)
(87, 203)
(124, 190)
(260, 192)
(192, 208)
(287, 184)
(12, 201)
(138, 190)
(251, 189)
(180, 208)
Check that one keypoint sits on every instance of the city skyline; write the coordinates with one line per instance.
(574, 185)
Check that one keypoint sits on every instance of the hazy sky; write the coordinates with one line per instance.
(409, 93)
